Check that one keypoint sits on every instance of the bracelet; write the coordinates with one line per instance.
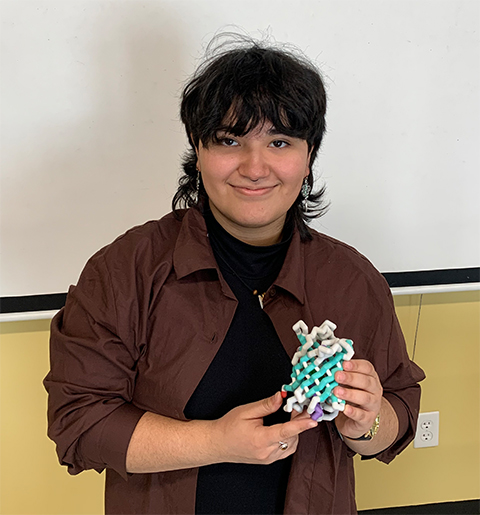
(370, 433)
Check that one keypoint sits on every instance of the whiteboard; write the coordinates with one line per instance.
(91, 138)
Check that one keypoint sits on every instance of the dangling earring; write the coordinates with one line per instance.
(197, 185)
(305, 192)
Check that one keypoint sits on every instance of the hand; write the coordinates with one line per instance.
(360, 387)
(242, 437)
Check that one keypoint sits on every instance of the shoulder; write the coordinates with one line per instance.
(155, 237)
(343, 286)
(142, 251)
(151, 231)
(130, 265)
(338, 253)
(342, 265)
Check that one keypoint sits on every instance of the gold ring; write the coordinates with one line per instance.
(283, 445)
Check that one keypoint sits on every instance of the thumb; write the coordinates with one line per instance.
(264, 407)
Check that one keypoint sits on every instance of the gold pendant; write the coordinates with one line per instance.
(260, 297)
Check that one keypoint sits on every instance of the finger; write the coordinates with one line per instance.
(263, 407)
(361, 398)
(362, 417)
(360, 374)
(359, 381)
(296, 414)
(361, 366)
(292, 447)
(291, 429)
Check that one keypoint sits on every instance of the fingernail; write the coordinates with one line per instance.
(339, 392)
(340, 376)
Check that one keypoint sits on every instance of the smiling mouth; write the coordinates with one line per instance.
(253, 192)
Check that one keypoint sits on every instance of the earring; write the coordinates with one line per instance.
(305, 192)
(197, 185)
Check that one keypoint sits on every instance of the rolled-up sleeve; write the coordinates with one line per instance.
(92, 377)
(399, 376)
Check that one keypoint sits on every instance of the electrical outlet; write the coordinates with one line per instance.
(427, 430)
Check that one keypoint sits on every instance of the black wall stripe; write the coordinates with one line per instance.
(394, 279)
(32, 303)
(433, 277)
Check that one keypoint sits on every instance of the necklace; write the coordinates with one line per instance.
(254, 292)
(259, 266)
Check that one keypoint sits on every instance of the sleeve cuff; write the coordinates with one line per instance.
(115, 437)
(405, 431)
(107, 441)
(402, 415)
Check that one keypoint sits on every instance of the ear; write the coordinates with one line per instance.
(196, 151)
(307, 166)
(193, 143)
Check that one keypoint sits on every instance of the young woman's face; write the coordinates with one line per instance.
(253, 180)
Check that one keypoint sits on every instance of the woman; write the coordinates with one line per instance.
(168, 358)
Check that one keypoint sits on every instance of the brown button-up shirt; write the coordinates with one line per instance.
(145, 321)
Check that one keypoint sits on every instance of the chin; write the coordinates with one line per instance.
(253, 221)
(256, 223)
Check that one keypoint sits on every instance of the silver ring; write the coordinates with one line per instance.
(283, 445)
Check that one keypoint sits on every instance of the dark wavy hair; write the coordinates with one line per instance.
(241, 84)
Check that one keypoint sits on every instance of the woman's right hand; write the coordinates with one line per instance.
(240, 436)
(160, 443)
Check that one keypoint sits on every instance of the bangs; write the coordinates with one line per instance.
(244, 90)
(245, 115)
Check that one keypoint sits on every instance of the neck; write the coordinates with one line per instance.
(257, 236)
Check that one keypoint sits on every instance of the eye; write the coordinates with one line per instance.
(279, 143)
(228, 142)
(224, 139)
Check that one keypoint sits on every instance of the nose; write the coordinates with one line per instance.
(254, 165)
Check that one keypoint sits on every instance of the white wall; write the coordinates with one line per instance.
(90, 136)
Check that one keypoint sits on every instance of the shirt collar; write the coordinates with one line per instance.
(192, 249)
(292, 275)
(193, 252)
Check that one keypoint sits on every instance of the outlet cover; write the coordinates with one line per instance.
(427, 430)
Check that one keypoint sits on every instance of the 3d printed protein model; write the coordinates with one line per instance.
(319, 356)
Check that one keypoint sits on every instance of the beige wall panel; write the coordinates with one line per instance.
(31, 480)
(447, 347)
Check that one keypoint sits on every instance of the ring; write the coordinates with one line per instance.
(283, 445)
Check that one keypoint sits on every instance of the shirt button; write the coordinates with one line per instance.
(272, 292)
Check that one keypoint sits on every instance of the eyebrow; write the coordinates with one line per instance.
(273, 131)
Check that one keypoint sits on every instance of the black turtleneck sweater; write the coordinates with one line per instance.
(251, 364)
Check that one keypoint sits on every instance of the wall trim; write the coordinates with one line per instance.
(469, 277)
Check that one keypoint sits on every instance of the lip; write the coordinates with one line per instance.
(253, 192)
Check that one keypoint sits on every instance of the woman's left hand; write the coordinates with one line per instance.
(362, 391)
